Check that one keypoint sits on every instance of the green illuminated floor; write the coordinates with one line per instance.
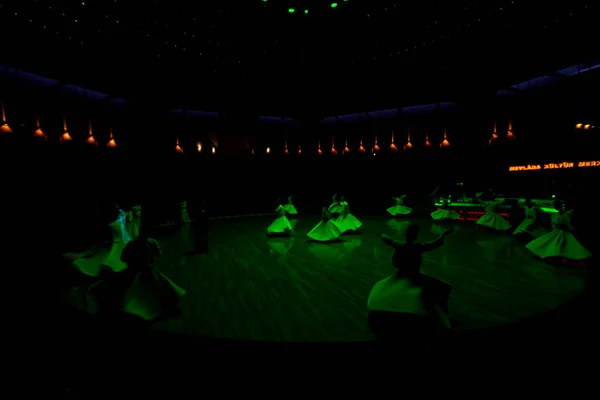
(252, 287)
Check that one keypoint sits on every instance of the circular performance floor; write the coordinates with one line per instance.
(252, 287)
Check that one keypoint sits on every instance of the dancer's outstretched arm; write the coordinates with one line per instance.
(389, 241)
(428, 246)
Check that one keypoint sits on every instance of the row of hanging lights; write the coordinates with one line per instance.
(333, 151)
(361, 148)
(64, 138)
(510, 135)
(585, 126)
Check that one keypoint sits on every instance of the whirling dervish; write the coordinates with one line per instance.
(395, 302)
(152, 294)
(346, 222)
(491, 219)
(289, 207)
(185, 218)
(123, 221)
(560, 243)
(326, 230)
(281, 226)
(94, 261)
(335, 208)
(530, 226)
(399, 208)
(445, 213)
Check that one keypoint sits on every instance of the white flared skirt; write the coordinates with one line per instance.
(348, 223)
(92, 262)
(494, 221)
(558, 243)
(152, 295)
(325, 231)
(441, 214)
(279, 226)
(530, 227)
(290, 209)
(399, 210)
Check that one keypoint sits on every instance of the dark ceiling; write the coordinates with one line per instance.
(255, 56)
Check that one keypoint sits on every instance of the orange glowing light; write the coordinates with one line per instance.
(199, 147)
(268, 150)
(285, 149)
(346, 148)
(427, 144)
(408, 144)
(361, 149)
(586, 126)
(393, 145)
(579, 126)
(299, 150)
(376, 146)
(4, 128)
(510, 135)
(445, 142)
(66, 137)
(38, 133)
(319, 151)
(529, 167)
(333, 150)
(177, 146)
(91, 140)
(214, 150)
(553, 166)
(495, 133)
(111, 142)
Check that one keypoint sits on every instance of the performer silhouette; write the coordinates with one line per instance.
(200, 230)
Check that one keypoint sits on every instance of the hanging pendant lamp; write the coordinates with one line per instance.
(376, 146)
(392, 144)
(111, 140)
(65, 137)
(408, 144)
(510, 134)
(91, 140)
(445, 142)
(427, 143)
(4, 128)
(38, 133)
(361, 148)
(494, 134)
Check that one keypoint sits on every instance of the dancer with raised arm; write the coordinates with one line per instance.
(445, 213)
(335, 208)
(407, 296)
(560, 243)
(152, 294)
(399, 209)
(326, 230)
(289, 207)
(281, 226)
(530, 227)
(491, 219)
(346, 222)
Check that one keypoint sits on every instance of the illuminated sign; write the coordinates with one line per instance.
(562, 165)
